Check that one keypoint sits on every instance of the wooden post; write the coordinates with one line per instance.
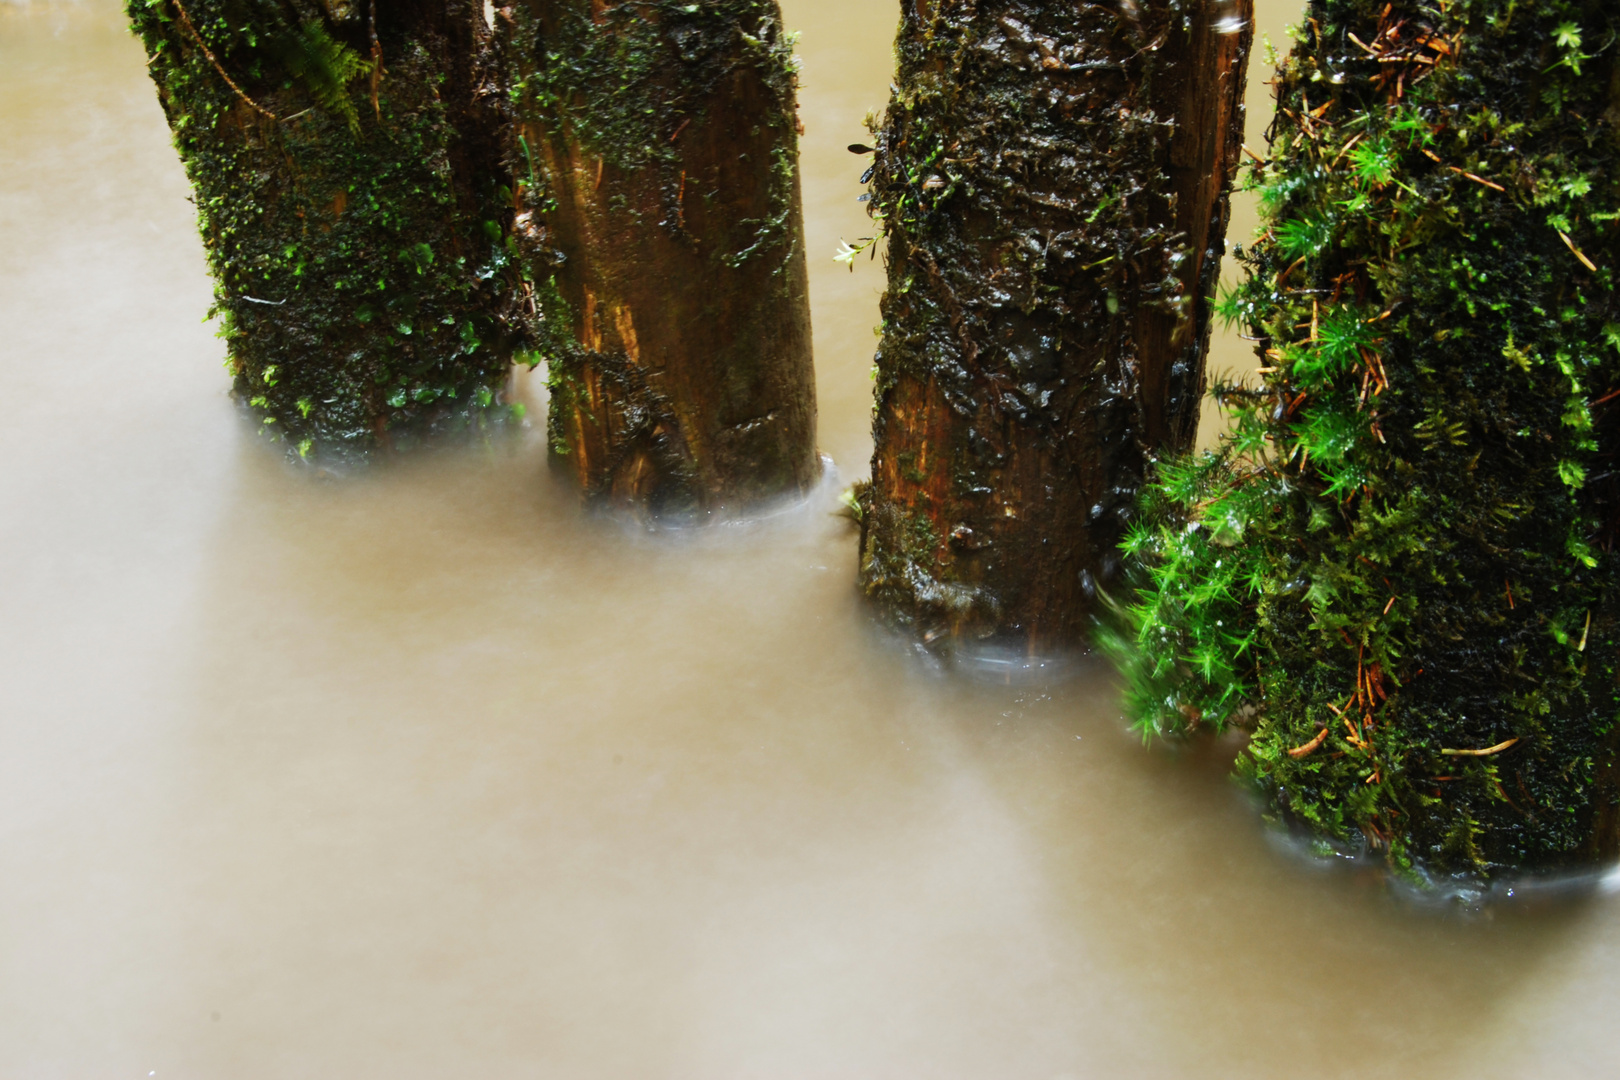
(662, 202)
(1053, 182)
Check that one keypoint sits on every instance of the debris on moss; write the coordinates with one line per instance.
(1398, 570)
(352, 198)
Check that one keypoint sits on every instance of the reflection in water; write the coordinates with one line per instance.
(421, 773)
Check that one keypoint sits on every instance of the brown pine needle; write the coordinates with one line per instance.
(1310, 747)
(1489, 184)
(1487, 752)
(1579, 254)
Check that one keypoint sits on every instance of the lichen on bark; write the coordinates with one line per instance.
(1399, 569)
(348, 166)
(1052, 181)
(661, 208)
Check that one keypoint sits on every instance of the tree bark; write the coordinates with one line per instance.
(1053, 183)
(1401, 570)
(348, 162)
(663, 208)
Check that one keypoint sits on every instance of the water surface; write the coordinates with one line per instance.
(420, 774)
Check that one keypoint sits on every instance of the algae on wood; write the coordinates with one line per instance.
(659, 145)
(1399, 571)
(1052, 182)
(350, 184)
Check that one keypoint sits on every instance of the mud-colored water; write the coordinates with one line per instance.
(419, 774)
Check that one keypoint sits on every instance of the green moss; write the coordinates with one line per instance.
(901, 571)
(364, 275)
(609, 72)
(620, 81)
(1405, 547)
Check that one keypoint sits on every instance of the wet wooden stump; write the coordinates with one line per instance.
(1053, 184)
(662, 202)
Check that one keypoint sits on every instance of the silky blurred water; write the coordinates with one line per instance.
(419, 773)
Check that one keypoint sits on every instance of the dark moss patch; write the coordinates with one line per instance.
(356, 217)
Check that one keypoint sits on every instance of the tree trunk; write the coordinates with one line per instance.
(660, 142)
(1401, 571)
(1052, 180)
(348, 166)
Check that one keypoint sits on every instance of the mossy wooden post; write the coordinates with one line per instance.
(661, 142)
(1052, 179)
(348, 164)
(1400, 571)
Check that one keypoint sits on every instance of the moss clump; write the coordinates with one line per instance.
(1405, 549)
(351, 198)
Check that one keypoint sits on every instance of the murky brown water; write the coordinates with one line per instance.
(420, 775)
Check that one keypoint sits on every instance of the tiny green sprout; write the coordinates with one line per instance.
(1567, 36)
(1410, 122)
(1301, 237)
(304, 447)
(849, 499)
(847, 253)
(305, 406)
(1519, 356)
(269, 376)
(1582, 551)
(1374, 161)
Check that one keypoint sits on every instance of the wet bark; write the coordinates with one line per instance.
(349, 170)
(1053, 181)
(664, 216)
